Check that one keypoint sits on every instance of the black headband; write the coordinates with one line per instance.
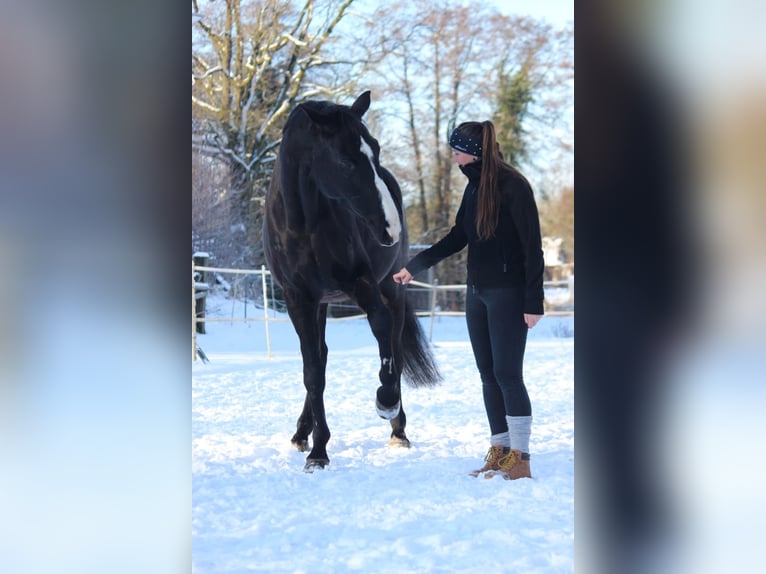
(465, 144)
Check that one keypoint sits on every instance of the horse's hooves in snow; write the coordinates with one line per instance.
(399, 441)
(301, 444)
(315, 464)
(388, 413)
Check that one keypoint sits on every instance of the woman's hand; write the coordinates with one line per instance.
(531, 320)
(403, 276)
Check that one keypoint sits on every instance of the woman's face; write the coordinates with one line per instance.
(462, 158)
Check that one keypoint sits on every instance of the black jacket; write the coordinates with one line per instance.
(513, 257)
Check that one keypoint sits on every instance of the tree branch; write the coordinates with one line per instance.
(205, 105)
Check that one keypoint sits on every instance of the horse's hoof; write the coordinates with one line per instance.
(301, 444)
(402, 442)
(315, 464)
(388, 413)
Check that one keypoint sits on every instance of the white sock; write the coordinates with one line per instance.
(499, 439)
(519, 429)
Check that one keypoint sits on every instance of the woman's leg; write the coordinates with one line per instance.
(479, 333)
(507, 334)
(508, 338)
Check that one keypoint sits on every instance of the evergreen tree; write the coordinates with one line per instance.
(515, 93)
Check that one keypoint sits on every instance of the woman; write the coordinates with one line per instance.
(499, 223)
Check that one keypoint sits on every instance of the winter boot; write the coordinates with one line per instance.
(513, 465)
(492, 460)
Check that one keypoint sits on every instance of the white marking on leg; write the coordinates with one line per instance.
(394, 227)
(388, 413)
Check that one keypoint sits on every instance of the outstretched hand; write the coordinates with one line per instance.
(403, 276)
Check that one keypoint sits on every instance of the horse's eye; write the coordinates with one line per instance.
(346, 164)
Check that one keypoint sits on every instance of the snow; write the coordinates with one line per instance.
(374, 508)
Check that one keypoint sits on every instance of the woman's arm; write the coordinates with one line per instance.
(454, 241)
(527, 222)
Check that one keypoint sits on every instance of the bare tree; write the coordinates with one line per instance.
(432, 68)
(433, 63)
(252, 63)
(535, 90)
(446, 63)
(557, 220)
(213, 230)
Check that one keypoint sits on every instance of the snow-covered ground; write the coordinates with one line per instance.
(374, 508)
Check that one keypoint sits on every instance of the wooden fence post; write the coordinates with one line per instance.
(433, 309)
(200, 290)
(194, 317)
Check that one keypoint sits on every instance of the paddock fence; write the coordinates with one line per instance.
(429, 300)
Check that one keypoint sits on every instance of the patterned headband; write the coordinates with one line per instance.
(465, 144)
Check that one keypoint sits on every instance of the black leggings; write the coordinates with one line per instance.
(495, 319)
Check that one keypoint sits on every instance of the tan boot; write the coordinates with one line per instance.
(512, 466)
(492, 460)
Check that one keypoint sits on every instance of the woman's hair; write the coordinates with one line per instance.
(492, 163)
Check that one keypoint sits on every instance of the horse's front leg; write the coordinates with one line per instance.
(396, 304)
(305, 424)
(309, 319)
(368, 297)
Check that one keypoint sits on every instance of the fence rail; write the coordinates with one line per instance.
(199, 289)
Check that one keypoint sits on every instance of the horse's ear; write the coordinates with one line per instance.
(362, 104)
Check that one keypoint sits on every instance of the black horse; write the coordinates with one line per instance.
(335, 230)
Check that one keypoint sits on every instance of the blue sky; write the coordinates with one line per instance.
(557, 12)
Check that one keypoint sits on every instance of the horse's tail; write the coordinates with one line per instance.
(419, 367)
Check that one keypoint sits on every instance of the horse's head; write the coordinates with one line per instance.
(339, 159)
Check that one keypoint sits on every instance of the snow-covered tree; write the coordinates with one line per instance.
(252, 63)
